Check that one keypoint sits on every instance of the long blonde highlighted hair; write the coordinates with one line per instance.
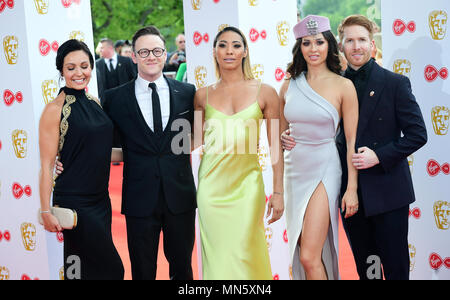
(246, 66)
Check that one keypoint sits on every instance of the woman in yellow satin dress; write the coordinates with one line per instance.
(231, 198)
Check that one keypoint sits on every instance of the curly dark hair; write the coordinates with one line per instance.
(298, 65)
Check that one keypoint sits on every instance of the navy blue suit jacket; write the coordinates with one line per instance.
(391, 124)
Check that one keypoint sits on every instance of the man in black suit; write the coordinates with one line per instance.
(112, 69)
(158, 186)
(390, 128)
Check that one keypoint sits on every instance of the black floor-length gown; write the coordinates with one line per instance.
(85, 151)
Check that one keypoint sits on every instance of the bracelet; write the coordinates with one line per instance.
(45, 212)
(277, 193)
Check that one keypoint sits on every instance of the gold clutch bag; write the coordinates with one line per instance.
(67, 218)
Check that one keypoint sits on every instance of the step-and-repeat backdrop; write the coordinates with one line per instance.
(30, 34)
(267, 25)
(416, 43)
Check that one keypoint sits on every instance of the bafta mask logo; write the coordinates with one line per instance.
(402, 66)
(411, 163)
(11, 49)
(412, 257)
(222, 27)
(28, 232)
(4, 273)
(77, 35)
(440, 118)
(269, 237)
(263, 155)
(196, 4)
(61, 273)
(41, 6)
(258, 71)
(49, 90)
(442, 214)
(283, 29)
(201, 77)
(253, 2)
(20, 140)
(437, 20)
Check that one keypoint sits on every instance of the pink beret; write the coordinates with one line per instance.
(311, 25)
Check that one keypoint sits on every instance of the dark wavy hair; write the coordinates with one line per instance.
(298, 65)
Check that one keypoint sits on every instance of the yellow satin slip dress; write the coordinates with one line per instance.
(231, 198)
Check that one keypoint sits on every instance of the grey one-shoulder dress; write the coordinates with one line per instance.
(314, 123)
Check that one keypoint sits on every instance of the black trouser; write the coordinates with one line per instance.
(381, 238)
(143, 241)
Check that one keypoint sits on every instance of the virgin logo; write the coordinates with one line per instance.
(276, 277)
(45, 47)
(5, 235)
(434, 168)
(18, 190)
(198, 38)
(279, 74)
(9, 97)
(5, 3)
(400, 27)
(436, 261)
(431, 73)
(68, 3)
(254, 35)
(415, 212)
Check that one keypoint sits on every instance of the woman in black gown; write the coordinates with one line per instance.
(75, 128)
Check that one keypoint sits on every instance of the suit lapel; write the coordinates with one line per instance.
(174, 93)
(173, 96)
(371, 97)
(135, 110)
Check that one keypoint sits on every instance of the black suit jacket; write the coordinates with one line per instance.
(150, 165)
(126, 71)
(388, 110)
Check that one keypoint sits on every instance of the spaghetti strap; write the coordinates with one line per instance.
(259, 89)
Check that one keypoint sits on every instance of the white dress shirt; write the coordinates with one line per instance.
(113, 61)
(144, 99)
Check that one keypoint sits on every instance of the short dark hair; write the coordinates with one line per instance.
(149, 30)
(71, 46)
(298, 65)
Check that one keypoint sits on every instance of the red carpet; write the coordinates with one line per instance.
(347, 266)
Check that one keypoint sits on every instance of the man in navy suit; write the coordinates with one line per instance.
(390, 128)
